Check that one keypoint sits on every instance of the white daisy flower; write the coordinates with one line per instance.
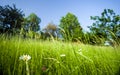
(25, 57)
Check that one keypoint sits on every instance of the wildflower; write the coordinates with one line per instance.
(62, 55)
(25, 57)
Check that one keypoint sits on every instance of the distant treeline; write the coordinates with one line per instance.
(105, 27)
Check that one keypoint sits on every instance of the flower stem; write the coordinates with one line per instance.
(27, 68)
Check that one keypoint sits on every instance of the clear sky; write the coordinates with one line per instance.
(53, 10)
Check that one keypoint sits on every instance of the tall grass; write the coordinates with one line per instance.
(46, 59)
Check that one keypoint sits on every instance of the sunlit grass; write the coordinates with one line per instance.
(57, 58)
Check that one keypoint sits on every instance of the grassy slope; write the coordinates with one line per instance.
(92, 60)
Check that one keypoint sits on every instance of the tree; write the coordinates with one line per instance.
(50, 30)
(107, 25)
(30, 26)
(33, 22)
(70, 27)
(10, 19)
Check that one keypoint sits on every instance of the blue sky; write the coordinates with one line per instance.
(53, 10)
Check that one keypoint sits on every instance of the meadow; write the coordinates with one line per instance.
(57, 58)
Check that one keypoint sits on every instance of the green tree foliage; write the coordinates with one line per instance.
(107, 25)
(70, 27)
(50, 30)
(30, 26)
(33, 22)
(10, 19)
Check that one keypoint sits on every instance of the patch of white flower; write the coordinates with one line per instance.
(25, 57)
(62, 55)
